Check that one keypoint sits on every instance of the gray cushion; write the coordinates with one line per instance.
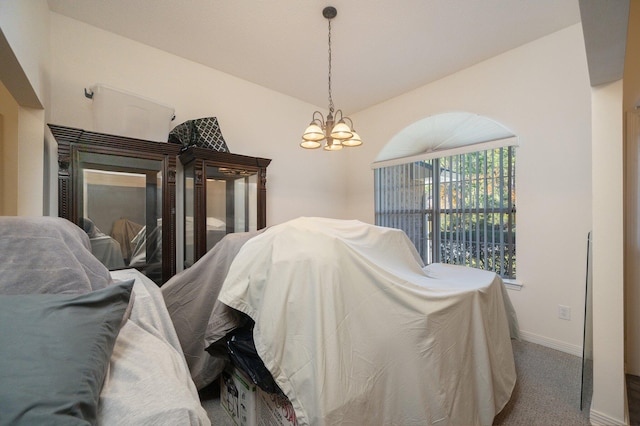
(54, 354)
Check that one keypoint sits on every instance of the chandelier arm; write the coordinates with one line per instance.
(320, 120)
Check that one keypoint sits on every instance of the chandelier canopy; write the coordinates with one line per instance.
(334, 130)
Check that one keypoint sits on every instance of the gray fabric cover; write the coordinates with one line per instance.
(191, 297)
(54, 354)
(47, 255)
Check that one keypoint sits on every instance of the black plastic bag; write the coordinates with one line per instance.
(243, 354)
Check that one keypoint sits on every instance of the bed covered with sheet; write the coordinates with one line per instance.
(355, 330)
(79, 344)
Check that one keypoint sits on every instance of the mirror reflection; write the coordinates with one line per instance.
(231, 202)
(224, 193)
(117, 205)
(189, 209)
(230, 205)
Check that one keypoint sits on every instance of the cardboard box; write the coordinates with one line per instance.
(238, 397)
(248, 405)
(275, 410)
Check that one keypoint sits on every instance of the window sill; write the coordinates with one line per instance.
(513, 284)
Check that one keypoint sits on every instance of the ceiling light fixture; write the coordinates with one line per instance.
(337, 134)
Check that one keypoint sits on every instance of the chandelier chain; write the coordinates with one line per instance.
(330, 97)
(334, 130)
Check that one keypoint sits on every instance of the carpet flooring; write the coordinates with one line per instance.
(210, 398)
(548, 389)
(547, 392)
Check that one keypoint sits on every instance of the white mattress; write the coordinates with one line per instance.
(356, 332)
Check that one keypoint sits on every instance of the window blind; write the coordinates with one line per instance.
(457, 209)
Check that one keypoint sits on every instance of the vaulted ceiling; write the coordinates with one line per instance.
(380, 48)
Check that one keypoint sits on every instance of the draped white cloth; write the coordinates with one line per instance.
(148, 382)
(356, 332)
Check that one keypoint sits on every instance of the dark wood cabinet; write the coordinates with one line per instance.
(122, 191)
(224, 193)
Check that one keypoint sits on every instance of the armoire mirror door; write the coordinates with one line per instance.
(121, 191)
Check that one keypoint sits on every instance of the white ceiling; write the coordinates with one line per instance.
(381, 48)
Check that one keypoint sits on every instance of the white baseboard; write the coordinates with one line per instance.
(551, 343)
(599, 419)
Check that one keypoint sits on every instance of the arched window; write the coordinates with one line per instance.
(448, 181)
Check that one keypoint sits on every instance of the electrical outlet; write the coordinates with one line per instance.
(564, 312)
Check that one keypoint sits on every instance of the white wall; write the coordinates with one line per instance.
(541, 92)
(25, 26)
(608, 405)
(255, 121)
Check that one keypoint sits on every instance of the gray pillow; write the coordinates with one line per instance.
(54, 354)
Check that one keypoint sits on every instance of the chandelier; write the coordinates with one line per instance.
(334, 130)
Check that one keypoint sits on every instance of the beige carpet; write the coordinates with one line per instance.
(547, 392)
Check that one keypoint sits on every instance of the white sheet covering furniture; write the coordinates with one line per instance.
(108, 251)
(147, 381)
(356, 332)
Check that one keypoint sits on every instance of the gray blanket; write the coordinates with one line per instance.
(191, 297)
(47, 255)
